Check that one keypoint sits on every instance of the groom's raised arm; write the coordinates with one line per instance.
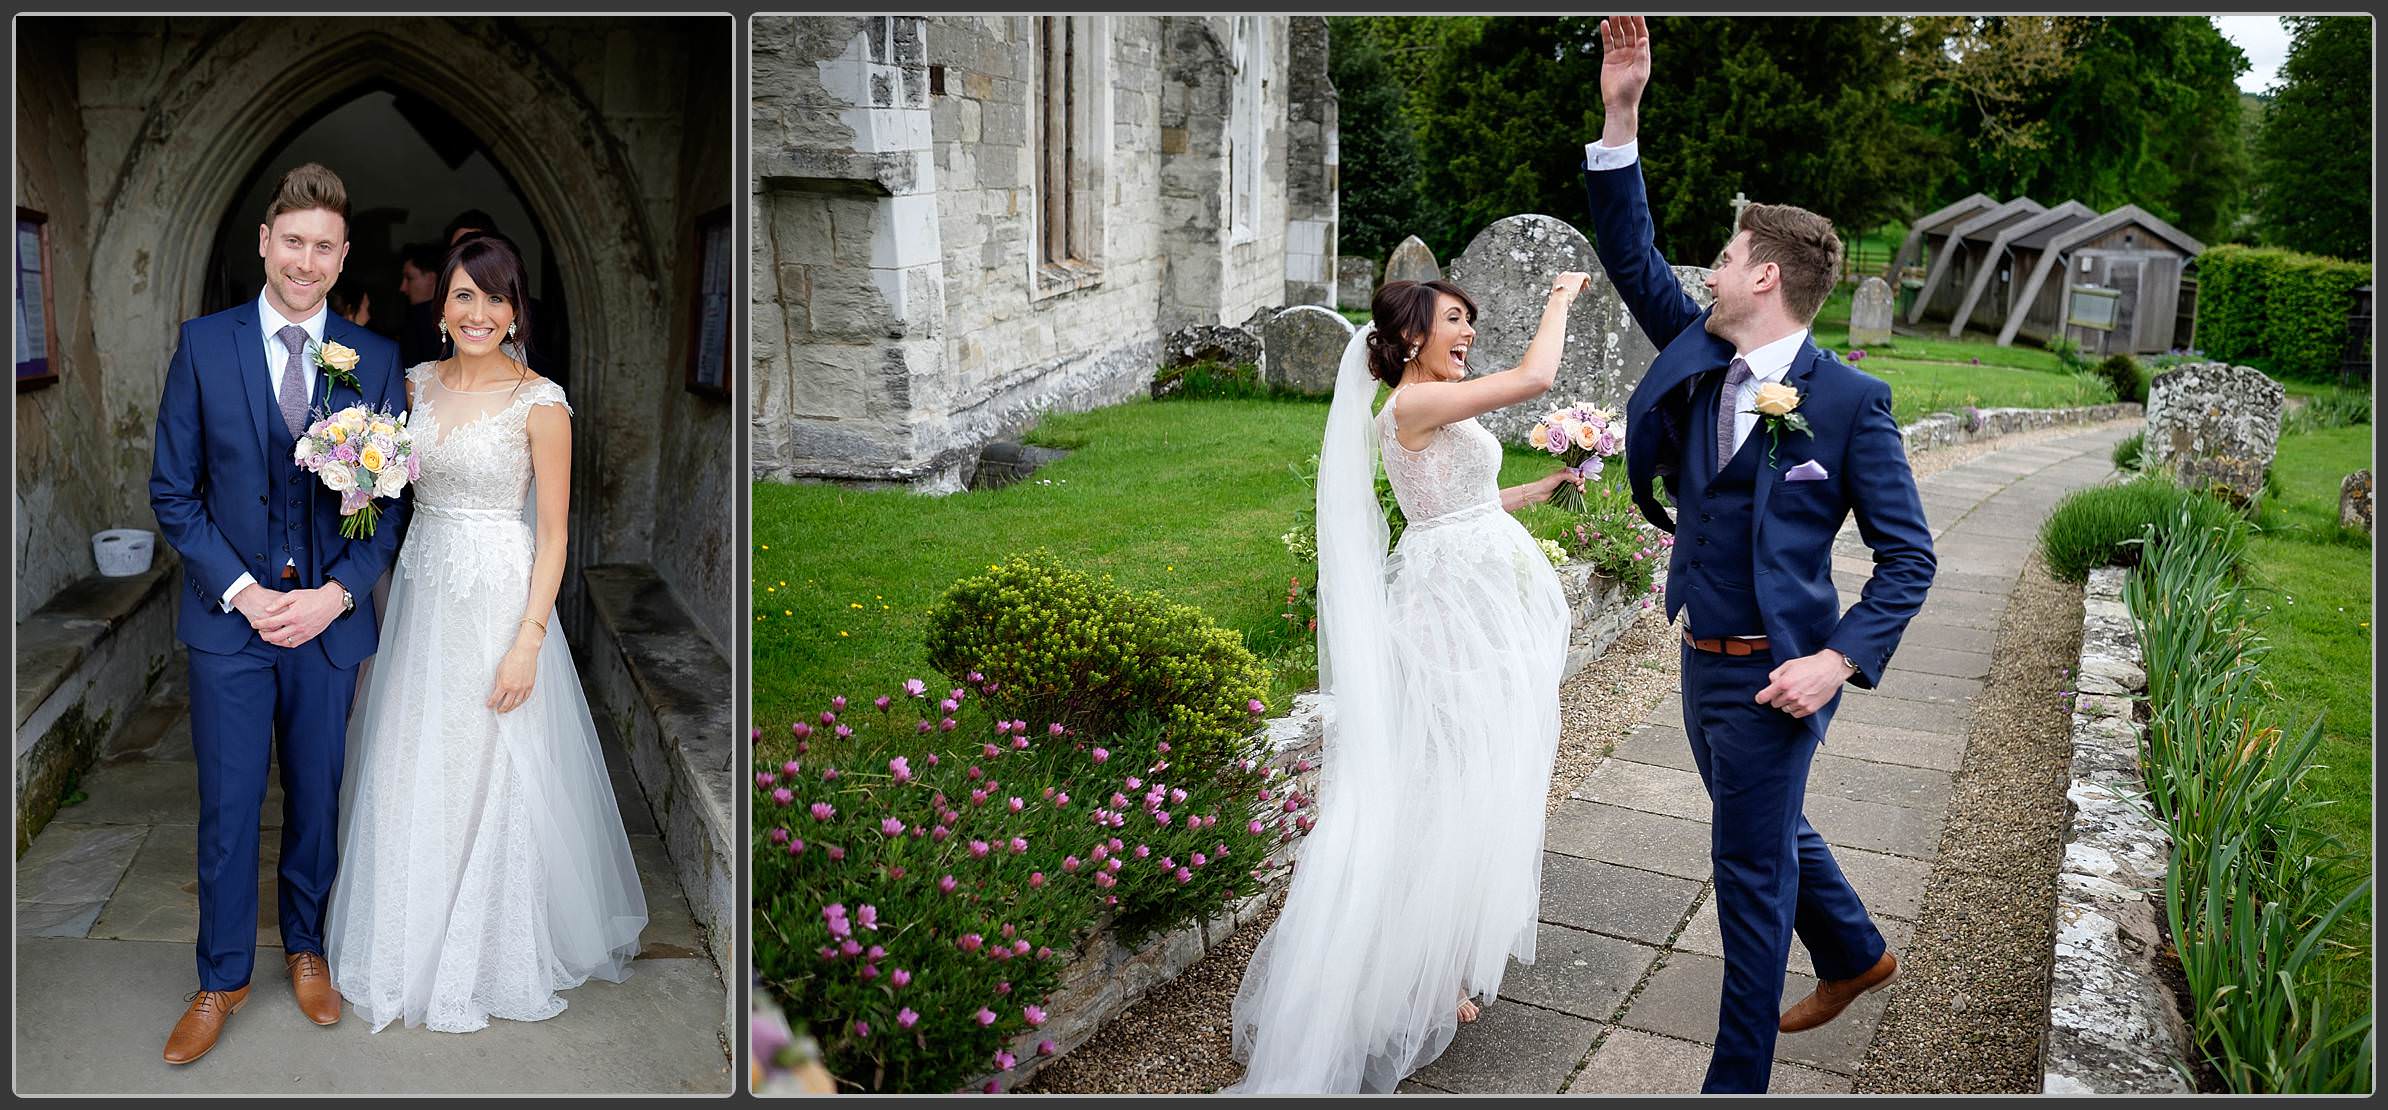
(1623, 234)
(177, 473)
(361, 562)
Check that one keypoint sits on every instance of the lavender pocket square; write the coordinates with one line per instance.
(1809, 471)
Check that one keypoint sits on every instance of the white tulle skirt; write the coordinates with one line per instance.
(1419, 886)
(483, 864)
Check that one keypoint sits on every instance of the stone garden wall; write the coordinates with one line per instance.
(2113, 1024)
(1948, 429)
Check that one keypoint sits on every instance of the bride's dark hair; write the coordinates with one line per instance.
(1404, 316)
(495, 267)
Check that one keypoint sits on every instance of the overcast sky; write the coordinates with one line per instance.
(2265, 42)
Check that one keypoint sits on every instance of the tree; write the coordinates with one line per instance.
(2313, 155)
(1377, 155)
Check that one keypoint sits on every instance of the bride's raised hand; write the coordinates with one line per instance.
(515, 674)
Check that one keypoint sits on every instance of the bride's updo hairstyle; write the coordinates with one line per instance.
(495, 268)
(1404, 313)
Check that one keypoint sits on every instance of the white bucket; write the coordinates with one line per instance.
(123, 552)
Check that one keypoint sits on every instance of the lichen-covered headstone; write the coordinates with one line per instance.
(2215, 427)
(2354, 501)
(1301, 348)
(1870, 313)
(1507, 270)
(1355, 281)
(1411, 261)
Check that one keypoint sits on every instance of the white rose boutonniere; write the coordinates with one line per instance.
(1777, 407)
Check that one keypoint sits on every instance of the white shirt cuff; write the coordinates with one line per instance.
(1598, 157)
(243, 582)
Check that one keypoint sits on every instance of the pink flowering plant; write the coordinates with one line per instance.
(928, 861)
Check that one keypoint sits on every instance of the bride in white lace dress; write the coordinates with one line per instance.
(483, 865)
(1422, 877)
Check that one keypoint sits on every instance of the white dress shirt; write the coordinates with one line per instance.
(270, 322)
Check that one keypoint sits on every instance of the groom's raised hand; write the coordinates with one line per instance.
(1624, 72)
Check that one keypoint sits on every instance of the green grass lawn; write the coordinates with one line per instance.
(2319, 580)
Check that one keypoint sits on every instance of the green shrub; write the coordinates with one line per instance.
(2252, 891)
(2068, 355)
(1061, 645)
(2280, 311)
(2104, 525)
(2089, 388)
(2126, 453)
(2124, 375)
(2334, 408)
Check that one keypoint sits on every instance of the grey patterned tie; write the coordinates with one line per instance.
(1726, 402)
(294, 379)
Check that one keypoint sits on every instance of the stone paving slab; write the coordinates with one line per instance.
(76, 863)
(1852, 573)
(1901, 681)
(1680, 1001)
(1702, 936)
(1942, 661)
(1579, 973)
(1667, 845)
(158, 899)
(1866, 708)
(1891, 744)
(1925, 634)
(1631, 1062)
(1922, 788)
(1513, 1048)
(1897, 830)
(110, 1005)
(1663, 790)
(1618, 901)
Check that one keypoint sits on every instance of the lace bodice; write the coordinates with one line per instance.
(1460, 467)
(474, 447)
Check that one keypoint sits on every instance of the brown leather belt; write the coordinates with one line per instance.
(289, 572)
(1726, 646)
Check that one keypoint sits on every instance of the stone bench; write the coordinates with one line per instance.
(84, 662)
(666, 690)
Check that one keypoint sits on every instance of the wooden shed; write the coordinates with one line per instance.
(1962, 255)
(1991, 294)
(1930, 232)
(2129, 262)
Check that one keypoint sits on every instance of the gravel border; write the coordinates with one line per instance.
(1972, 1006)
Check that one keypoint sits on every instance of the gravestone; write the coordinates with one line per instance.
(1355, 282)
(2215, 427)
(1507, 270)
(1224, 343)
(1301, 348)
(1411, 261)
(2354, 501)
(1870, 313)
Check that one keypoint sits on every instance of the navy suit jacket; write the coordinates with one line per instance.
(1854, 437)
(215, 464)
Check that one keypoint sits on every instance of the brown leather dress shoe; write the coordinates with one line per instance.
(311, 980)
(1832, 996)
(202, 1023)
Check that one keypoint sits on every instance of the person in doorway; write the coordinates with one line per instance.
(418, 280)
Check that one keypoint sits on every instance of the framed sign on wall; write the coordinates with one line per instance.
(37, 330)
(709, 335)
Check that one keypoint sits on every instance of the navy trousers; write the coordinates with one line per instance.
(1774, 875)
(243, 706)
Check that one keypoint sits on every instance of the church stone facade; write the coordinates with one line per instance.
(962, 222)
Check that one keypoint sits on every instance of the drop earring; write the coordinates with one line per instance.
(443, 331)
(510, 330)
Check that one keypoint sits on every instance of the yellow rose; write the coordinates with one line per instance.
(339, 357)
(339, 434)
(370, 459)
(1776, 399)
(1539, 437)
(384, 428)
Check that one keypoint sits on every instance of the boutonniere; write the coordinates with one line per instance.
(338, 361)
(1777, 406)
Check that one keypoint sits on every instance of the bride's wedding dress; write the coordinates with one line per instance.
(1422, 877)
(483, 866)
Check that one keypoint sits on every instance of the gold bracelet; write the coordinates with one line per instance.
(535, 624)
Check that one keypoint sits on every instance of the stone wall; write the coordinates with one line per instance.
(2114, 1026)
(1312, 172)
(900, 322)
(1947, 429)
(72, 477)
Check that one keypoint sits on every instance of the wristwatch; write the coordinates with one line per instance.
(348, 601)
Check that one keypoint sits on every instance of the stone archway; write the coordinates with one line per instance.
(242, 90)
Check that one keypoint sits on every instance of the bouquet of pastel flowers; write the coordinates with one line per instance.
(362, 454)
(1583, 436)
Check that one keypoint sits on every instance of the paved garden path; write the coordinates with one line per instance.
(108, 909)
(1622, 997)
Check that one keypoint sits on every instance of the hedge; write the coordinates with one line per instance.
(2281, 311)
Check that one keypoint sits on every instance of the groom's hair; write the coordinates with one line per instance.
(1800, 243)
(310, 186)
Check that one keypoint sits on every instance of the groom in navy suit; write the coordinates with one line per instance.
(278, 608)
(1765, 444)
